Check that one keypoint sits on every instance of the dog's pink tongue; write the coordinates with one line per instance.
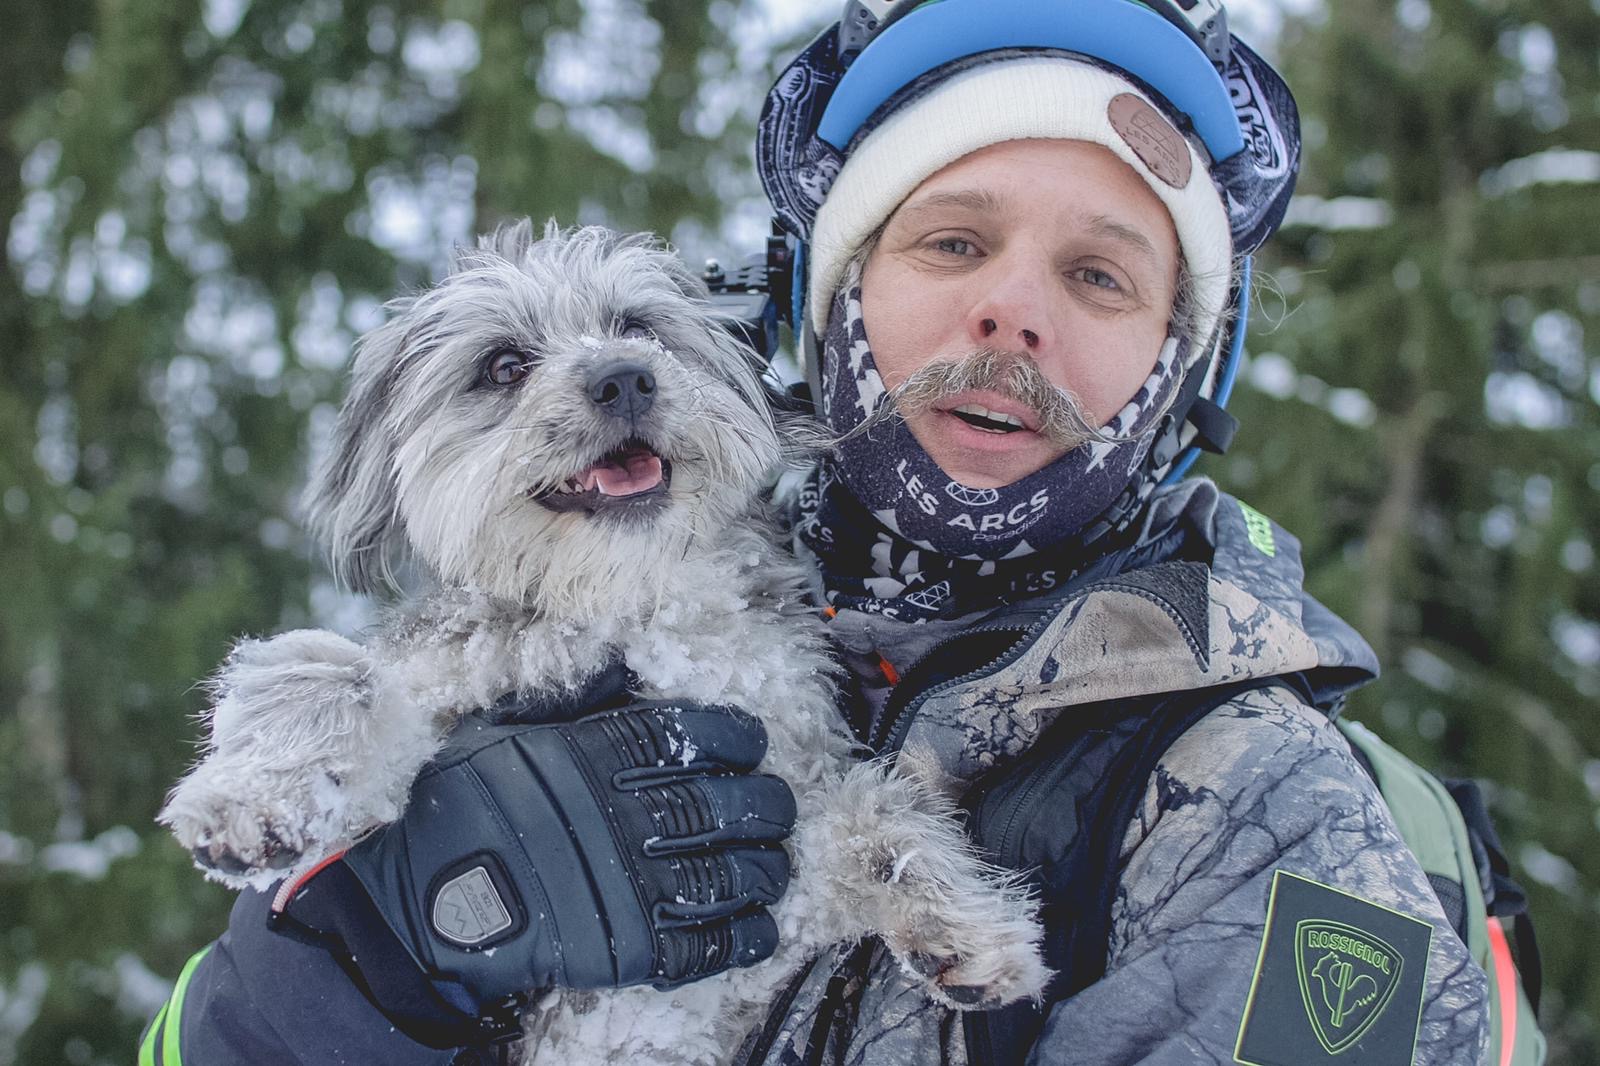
(629, 472)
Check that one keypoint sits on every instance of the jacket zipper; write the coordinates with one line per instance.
(896, 720)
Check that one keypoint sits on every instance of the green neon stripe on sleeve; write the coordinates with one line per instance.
(171, 1051)
(147, 1050)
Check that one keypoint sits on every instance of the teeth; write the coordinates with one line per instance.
(993, 416)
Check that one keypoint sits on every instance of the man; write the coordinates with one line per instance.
(1021, 223)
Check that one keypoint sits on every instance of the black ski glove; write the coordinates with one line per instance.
(630, 846)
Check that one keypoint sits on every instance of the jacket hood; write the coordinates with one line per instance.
(1210, 593)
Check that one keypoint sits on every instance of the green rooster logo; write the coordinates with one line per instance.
(1343, 990)
(1346, 978)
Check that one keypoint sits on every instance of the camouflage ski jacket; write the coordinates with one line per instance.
(1257, 815)
(1254, 809)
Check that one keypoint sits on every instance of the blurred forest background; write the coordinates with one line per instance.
(205, 202)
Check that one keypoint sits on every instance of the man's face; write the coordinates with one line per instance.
(1054, 250)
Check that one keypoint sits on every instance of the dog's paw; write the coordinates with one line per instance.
(313, 654)
(246, 827)
(968, 931)
(989, 977)
(309, 674)
(235, 860)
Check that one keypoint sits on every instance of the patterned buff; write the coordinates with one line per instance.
(895, 535)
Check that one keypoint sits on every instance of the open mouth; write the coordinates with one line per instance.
(980, 417)
(630, 477)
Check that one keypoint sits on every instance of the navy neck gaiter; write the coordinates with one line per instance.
(896, 535)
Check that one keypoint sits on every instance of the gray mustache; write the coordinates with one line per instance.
(1060, 414)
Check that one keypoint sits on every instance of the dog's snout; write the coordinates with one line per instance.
(623, 389)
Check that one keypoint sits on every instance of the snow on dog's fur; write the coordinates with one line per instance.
(476, 442)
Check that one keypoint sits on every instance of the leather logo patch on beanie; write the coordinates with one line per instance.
(1152, 138)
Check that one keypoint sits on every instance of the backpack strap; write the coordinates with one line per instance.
(1446, 825)
(1503, 896)
(1060, 814)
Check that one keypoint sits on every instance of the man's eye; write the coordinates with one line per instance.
(507, 367)
(1099, 278)
(953, 245)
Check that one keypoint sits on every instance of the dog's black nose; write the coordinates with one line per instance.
(623, 389)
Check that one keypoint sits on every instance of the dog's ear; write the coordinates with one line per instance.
(688, 280)
(510, 240)
(352, 504)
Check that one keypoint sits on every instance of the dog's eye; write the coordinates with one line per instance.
(507, 367)
(634, 330)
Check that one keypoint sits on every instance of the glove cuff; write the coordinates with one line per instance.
(331, 909)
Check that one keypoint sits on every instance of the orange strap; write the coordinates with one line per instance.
(1505, 979)
(890, 674)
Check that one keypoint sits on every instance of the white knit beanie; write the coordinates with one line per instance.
(1016, 99)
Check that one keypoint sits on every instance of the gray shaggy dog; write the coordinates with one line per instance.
(567, 442)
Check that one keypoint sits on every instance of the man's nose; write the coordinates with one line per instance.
(1011, 312)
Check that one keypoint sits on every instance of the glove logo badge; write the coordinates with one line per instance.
(467, 911)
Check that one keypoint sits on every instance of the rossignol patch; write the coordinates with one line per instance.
(1338, 980)
(1153, 139)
